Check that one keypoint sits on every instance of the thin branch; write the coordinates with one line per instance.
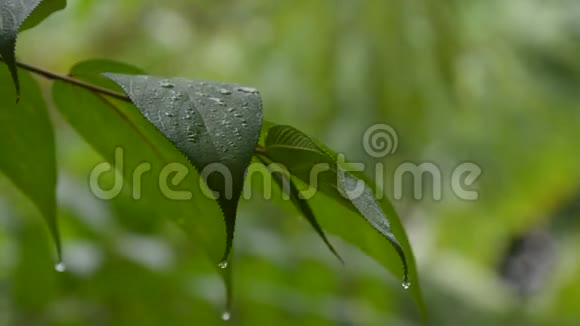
(73, 81)
(93, 88)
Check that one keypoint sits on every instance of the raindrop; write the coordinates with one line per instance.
(249, 90)
(192, 137)
(230, 109)
(187, 116)
(217, 100)
(60, 267)
(406, 283)
(223, 264)
(226, 316)
(224, 91)
(168, 114)
(166, 84)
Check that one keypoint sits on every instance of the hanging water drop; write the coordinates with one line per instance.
(226, 316)
(60, 267)
(406, 283)
(223, 264)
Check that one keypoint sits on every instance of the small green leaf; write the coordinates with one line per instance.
(27, 151)
(300, 154)
(44, 9)
(287, 186)
(216, 125)
(13, 13)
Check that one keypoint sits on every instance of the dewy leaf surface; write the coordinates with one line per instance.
(108, 125)
(216, 125)
(300, 154)
(27, 151)
(13, 13)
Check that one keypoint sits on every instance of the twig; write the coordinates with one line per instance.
(73, 81)
(93, 88)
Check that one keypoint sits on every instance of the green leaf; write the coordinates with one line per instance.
(108, 124)
(42, 11)
(300, 154)
(13, 13)
(216, 125)
(27, 151)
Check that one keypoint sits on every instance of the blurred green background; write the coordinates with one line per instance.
(487, 81)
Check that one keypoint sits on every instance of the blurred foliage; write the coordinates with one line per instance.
(488, 81)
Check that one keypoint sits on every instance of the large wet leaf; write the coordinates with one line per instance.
(301, 155)
(13, 15)
(216, 125)
(110, 125)
(27, 154)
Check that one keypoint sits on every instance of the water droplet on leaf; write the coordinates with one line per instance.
(226, 316)
(224, 91)
(166, 84)
(217, 100)
(249, 90)
(223, 264)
